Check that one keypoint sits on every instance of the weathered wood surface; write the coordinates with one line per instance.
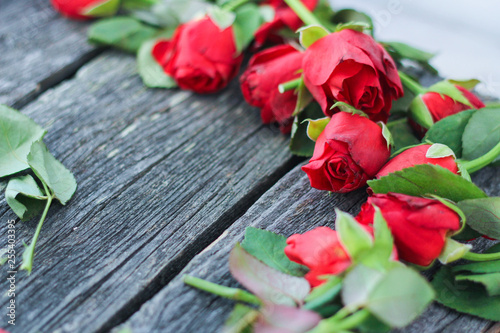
(39, 49)
(291, 206)
(161, 174)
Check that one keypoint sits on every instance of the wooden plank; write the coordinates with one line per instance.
(291, 206)
(39, 49)
(161, 174)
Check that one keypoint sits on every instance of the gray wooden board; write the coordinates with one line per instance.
(39, 49)
(291, 206)
(160, 174)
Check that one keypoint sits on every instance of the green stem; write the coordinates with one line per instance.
(232, 5)
(481, 162)
(354, 320)
(303, 13)
(471, 256)
(396, 122)
(231, 293)
(289, 85)
(411, 84)
(29, 252)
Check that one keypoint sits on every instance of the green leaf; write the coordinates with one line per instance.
(222, 18)
(402, 134)
(453, 251)
(483, 215)
(420, 113)
(479, 267)
(482, 133)
(386, 133)
(357, 26)
(426, 180)
(267, 12)
(105, 8)
(304, 98)
(344, 107)
(138, 4)
(490, 281)
(308, 35)
(59, 179)
(351, 15)
(240, 320)
(265, 282)
(406, 51)
(464, 296)
(247, 21)
(438, 150)
(315, 127)
(449, 89)
(269, 248)
(24, 197)
(124, 33)
(300, 144)
(151, 72)
(358, 285)
(17, 134)
(383, 241)
(353, 236)
(449, 131)
(400, 297)
(467, 84)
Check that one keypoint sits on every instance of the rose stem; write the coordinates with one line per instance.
(481, 256)
(29, 252)
(303, 13)
(231, 293)
(341, 323)
(481, 162)
(289, 85)
(411, 84)
(232, 5)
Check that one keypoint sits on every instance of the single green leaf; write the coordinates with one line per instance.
(55, 175)
(358, 285)
(269, 248)
(265, 282)
(315, 127)
(300, 144)
(221, 17)
(357, 26)
(490, 281)
(483, 215)
(479, 267)
(466, 234)
(383, 241)
(240, 320)
(467, 84)
(308, 35)
(138, 4)
(17, 134)
(400, 297)
(453, 251)
(353, 236)
(447, 88)
(482, 133)
(426, 180)
(402, 134)
(464, 296)
(304, 98)
(406, 51)
(351, 15)
(386, 133)
(151, 72)
(449, 131)
(104, 8)
(344, 107)
(438, 150)
(24, 197)
(247, 21)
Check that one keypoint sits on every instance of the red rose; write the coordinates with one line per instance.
(348, 153)
(419, 226)
(200, 56)
(284, 17)
(79, 9)
(441, 106)
(416, 156)
(259, 84)
(321, 251)
(350, 67)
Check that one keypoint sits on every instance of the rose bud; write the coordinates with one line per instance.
(86, 9)
(200, 56)
(284, 16)
(321, 251)
(351, 67)
(431, 107)
(348, 153)
(419, 226)
(259, 84)
(416, 156)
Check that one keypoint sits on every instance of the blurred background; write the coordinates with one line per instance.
(464, 35)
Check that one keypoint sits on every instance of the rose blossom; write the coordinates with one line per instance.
(200, 56)
(259, 84)
(351, 67)
(349, 152)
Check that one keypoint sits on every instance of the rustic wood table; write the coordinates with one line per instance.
(167, 182)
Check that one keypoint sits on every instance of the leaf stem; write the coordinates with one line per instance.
(481, 162)
(303, 12)
(411, 84)
(353, 320)
(471, 256)
(29, 252)
(235, 294)
(289, 85)
(232, 5)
